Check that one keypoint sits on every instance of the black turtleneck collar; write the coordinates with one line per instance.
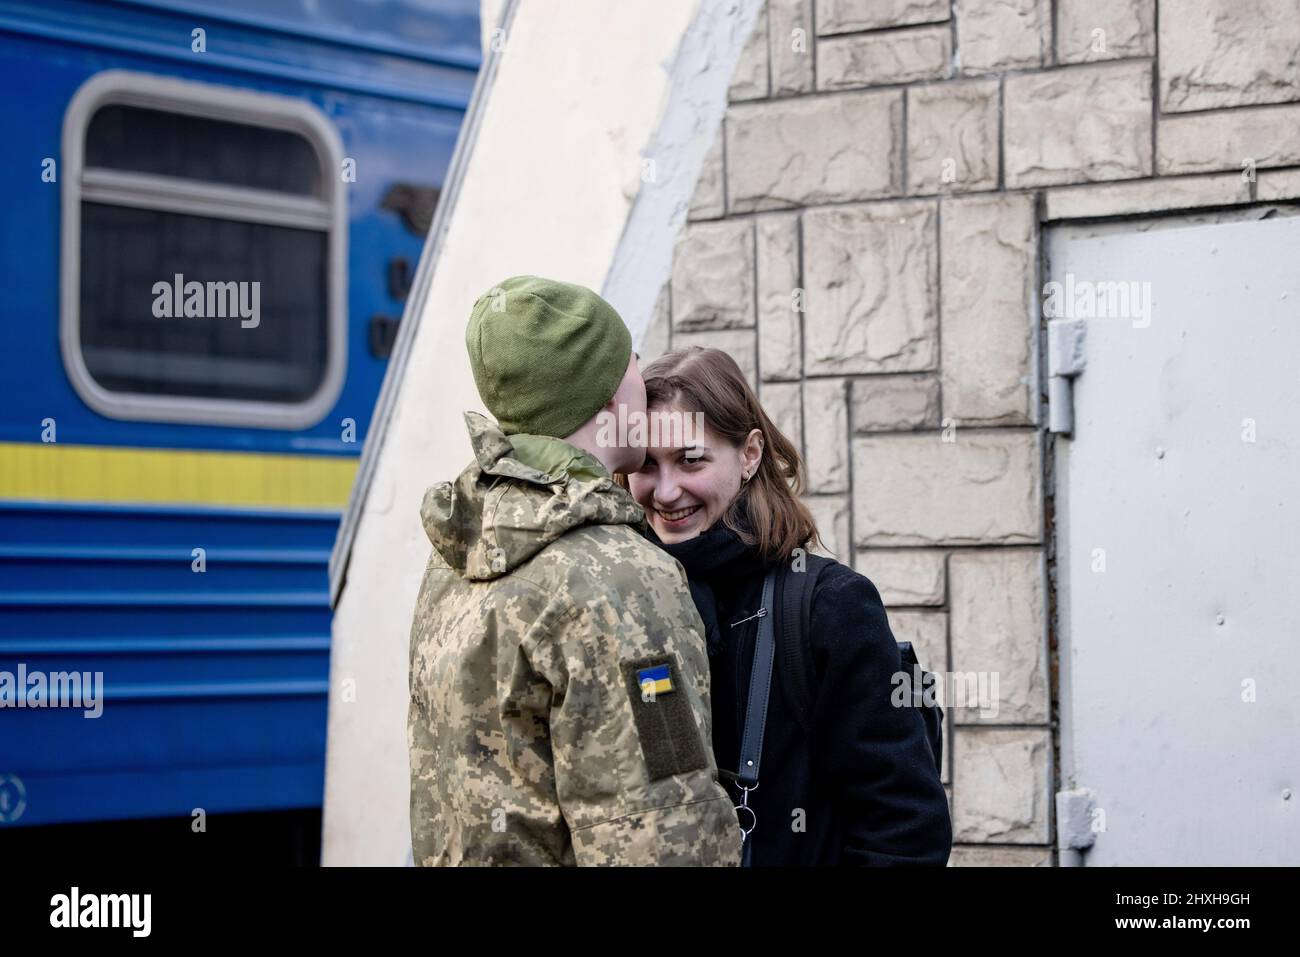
(715, 554)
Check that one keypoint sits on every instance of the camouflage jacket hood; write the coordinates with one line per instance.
(484, 527)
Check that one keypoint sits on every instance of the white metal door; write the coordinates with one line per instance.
(1178, 522)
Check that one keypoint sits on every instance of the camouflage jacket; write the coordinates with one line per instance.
(559, 707)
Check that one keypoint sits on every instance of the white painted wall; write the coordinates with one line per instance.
(583, 89)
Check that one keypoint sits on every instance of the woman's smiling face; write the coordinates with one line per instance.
(685, 489)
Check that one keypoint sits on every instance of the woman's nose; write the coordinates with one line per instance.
(666, 488)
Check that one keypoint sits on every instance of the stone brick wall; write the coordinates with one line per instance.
(865, 241)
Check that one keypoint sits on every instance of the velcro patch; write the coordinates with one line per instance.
(671, 742)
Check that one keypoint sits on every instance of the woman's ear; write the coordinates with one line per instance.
(751, 454)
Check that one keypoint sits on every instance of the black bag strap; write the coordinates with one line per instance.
(931, 714)
(796, 661)
(751, 741)
(760, 685)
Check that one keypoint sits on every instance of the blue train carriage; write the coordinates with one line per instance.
(211, 219)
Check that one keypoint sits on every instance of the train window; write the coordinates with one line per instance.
(198, 148)
(204, 252)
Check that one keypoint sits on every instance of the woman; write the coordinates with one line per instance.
(859, 786)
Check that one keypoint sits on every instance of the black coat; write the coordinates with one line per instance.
(863, 782)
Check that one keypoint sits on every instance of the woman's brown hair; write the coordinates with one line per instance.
(709, 381)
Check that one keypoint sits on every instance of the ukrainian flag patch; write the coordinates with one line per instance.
(655, 681)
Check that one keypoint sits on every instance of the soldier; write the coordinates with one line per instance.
(559, 709)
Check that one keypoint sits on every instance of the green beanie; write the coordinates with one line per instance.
(546, 355)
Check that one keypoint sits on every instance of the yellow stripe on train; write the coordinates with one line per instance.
(89, 473)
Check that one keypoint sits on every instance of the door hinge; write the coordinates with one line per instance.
(1074, 819)
(1065, 360)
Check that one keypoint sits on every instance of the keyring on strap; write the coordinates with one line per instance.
(744, 806)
